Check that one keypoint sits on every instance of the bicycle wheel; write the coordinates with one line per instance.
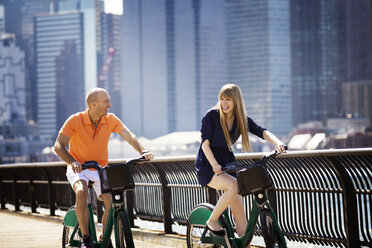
(123, 230)
(269, 233)
(67, 240)
(195, 230)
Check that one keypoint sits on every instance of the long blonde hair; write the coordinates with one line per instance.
(232, 91)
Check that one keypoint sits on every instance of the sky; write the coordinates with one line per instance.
(114, 6)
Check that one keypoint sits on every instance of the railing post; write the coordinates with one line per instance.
(15, 194)
(349, 204)
(32, 196)
(166, 199)
(51, 198)
(2, 195)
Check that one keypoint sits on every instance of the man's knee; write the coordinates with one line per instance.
(81, 190)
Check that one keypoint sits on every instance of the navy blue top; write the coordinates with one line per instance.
(211, 130)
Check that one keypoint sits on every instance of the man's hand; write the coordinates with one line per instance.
(76, 167)
(147, 155)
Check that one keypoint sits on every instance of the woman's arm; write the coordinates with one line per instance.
(279, 145)
(206, 147)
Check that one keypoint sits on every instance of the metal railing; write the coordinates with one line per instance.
(322, 197)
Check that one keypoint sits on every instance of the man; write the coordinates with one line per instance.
(87, 134)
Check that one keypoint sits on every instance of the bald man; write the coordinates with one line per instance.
(87, 134)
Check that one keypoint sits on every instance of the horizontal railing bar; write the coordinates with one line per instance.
(317, 238)
(310, 190)
(148, 217)
(148, 184)
(188, 186)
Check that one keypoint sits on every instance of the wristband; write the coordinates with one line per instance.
(144, 151)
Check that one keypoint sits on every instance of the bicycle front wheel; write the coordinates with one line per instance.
(269, 233)
(123, 230)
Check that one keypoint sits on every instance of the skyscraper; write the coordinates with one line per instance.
(60, 78)
(174, 62)
(19, 16)
(357, 54)
(258, 49)
(109, 59)
(317, 57)
(12, 81)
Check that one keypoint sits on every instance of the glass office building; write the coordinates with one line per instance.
(258, 49)
(60, 74)
(174, 62)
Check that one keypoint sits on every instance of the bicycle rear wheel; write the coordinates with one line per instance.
(195, 231)
(67, 239)
(269, 232)
(123, 230)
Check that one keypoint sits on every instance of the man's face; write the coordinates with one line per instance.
(103, 103)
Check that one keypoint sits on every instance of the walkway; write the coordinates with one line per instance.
(30, 231)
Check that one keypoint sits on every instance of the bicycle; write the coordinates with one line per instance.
(252, 179)
(115, 179)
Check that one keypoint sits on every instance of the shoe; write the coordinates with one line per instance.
(216, 232)
(87, 242)
(109, 244)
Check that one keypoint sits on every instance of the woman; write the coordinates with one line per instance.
(221, 127)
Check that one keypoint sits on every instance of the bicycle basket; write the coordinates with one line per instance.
(116, 178)
(253, 178)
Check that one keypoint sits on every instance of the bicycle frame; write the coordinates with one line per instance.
(231, 240)
(71, 220)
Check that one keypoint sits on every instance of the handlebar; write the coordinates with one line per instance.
(231, 167)
(95, 165)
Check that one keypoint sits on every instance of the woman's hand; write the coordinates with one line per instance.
(217, 168)
(280, 148)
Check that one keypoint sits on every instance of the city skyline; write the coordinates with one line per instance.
(296, 62)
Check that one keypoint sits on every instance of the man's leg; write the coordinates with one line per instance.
(107, 202)
(81, 208)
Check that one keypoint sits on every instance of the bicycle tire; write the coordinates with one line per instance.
(269, 233)
(124, 232)
(67, 232)
(194, 231)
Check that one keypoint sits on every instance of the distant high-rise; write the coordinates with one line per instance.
(258, 48)
(110, 53)
(357, 54)
(59, 45)
(173, 63)
(19, 16)
(317, 55)
(12, 81)
(2, 20)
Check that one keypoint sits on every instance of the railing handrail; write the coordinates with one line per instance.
(182, 158)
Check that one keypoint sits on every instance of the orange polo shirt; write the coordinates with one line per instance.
(88, 143)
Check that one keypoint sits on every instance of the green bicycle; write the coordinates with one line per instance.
(252, 179)
(115, 179)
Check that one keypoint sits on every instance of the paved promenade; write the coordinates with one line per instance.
(30, 231)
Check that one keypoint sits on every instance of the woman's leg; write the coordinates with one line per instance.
(237, 209)
(229, 185)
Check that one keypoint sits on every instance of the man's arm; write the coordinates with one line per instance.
(60, 149)
(131, 138)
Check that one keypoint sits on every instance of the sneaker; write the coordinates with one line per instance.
(87, 242)
(109, 244)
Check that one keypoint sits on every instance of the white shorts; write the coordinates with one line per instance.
(86, 175)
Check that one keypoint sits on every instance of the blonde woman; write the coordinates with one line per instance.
(221, 127)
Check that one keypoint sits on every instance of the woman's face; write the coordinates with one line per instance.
(227, 104)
